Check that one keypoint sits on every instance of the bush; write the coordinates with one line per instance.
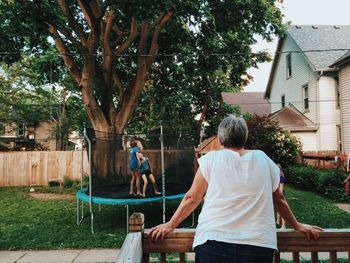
(328, 183)
(303, 177)
(67, 182)
(265, 135)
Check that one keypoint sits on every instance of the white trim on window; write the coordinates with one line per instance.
(306, 98)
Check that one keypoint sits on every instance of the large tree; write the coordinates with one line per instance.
(110, 48)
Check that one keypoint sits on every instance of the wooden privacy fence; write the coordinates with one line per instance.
(40, 167)
(137, 245)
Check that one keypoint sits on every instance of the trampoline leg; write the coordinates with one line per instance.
(127, 218)
(78, 211)
(92, 222)
(99, 207)
(82, 210)
(92, 219)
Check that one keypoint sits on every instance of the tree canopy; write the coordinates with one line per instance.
(180, 55)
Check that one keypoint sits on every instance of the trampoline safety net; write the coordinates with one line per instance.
(110, 163)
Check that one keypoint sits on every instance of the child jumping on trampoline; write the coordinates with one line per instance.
(146, 170)
(135, 168)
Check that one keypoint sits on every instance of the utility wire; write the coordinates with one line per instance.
(190, 54)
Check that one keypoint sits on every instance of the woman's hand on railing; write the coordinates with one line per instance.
(309, 230)
(160, 231)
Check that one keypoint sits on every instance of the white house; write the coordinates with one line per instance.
(343, 67)
(303, 78)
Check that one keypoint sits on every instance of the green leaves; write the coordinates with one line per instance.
(204, 49)
(279, 145)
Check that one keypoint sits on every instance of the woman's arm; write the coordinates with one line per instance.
(282, 187)
(282, 207)
(191, 200)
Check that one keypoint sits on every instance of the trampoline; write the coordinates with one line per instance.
(118, 194)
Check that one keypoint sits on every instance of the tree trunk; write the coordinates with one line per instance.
(105, 158)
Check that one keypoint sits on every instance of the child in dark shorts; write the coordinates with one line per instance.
(146, 171)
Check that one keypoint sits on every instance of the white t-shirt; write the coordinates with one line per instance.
(238, 205)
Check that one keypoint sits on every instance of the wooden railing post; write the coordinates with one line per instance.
(136, 222)
(132, 249)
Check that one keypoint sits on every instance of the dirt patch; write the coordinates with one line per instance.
(48, 196)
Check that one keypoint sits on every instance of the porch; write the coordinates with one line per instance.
(137, 245)
(326, 159)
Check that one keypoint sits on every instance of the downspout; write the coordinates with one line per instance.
(318, 110)
(341, 111)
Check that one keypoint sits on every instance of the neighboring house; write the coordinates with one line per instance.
(27, 135)
(302, 75)
(249, 102)
(292, 120)
(343, 67)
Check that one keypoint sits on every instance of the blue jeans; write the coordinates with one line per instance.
(221, 252)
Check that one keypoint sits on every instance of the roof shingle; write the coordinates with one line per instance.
(249, 102)
(319, 40)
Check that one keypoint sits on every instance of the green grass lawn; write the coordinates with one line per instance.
(29, 223)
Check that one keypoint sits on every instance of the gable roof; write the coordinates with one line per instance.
(249, 102)
(291, 119)
(314, 39)
(321, 37)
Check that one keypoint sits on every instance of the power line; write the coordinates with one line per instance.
(3, 53)
(233, 104)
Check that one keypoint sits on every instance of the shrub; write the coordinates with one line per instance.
(328, 183)
(54, 183)
(303, 177)
(67, 182)
(265, 134)
(332, 184)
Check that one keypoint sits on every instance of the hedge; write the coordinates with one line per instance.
(328, 183)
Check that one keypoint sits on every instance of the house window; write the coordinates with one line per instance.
(289, 65)
(20, 129)
(339, 139)
(337, 93)
(306, 97)
(283, 101)
(2, 128)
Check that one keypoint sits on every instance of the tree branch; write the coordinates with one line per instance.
(96, 9)
(118, 84)
(92, 21)
(110, 17)
(78, 29)
(64, 52)
(132, 35)
(164, 18)
(68, 34)
(118, 32)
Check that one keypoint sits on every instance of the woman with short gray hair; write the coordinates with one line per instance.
(240, 189)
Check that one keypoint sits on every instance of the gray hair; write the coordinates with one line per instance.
(233, 132)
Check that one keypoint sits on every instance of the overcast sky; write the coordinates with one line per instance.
(300, 12)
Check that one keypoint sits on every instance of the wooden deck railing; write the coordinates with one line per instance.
(137, 245)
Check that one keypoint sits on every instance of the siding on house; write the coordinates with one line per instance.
(344, 82)
(292, 87)
(308, 140)
(329, 114)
